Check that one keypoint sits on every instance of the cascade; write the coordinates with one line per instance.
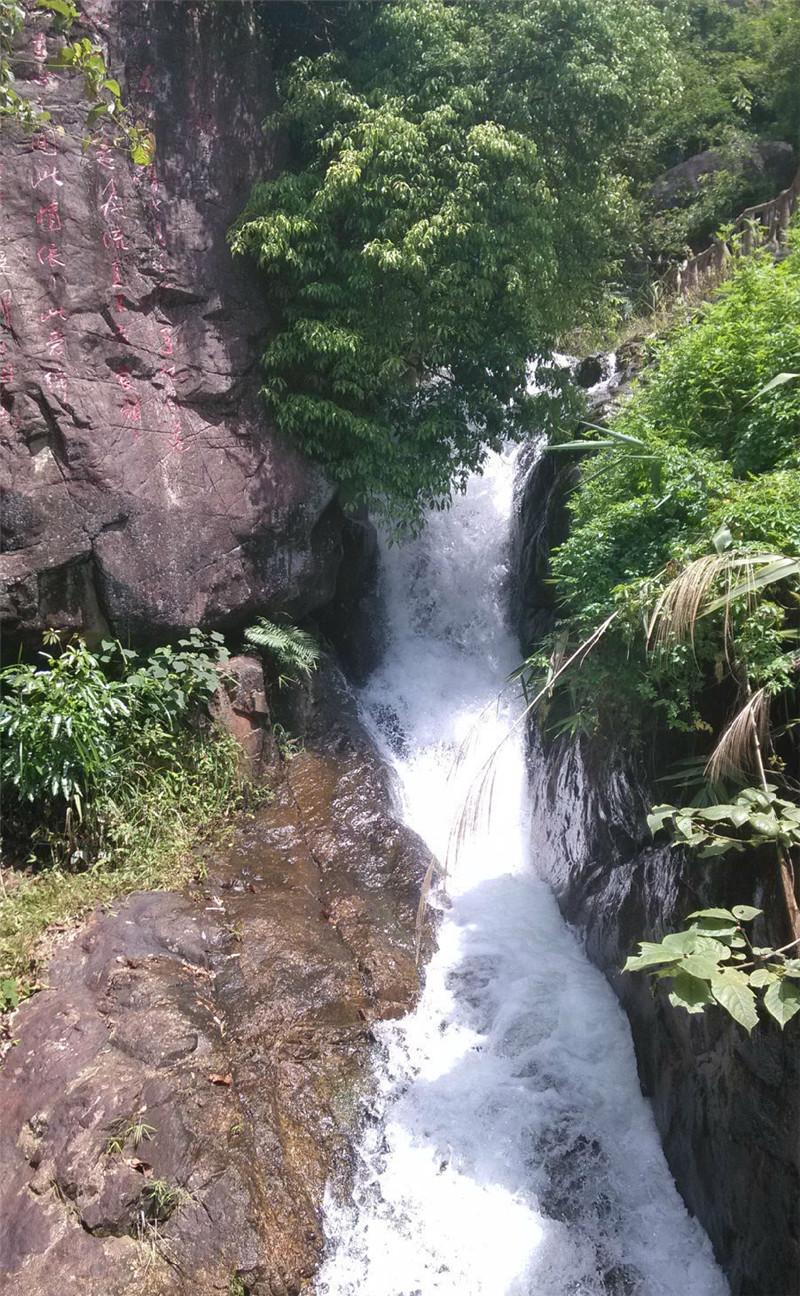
(508, 1150)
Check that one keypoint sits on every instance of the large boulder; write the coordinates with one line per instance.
(768, 166)
(144, 488)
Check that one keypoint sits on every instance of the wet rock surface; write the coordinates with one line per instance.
(727, 1105)
(144, 488)
(180, 1095)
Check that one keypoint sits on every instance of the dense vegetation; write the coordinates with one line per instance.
(467, 183)
(456, 199)
(110, 771)
(113, 771)
(707, 446)
(23, 105)
(739, 86)
(678, 594)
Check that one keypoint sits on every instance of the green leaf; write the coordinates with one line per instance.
(782, 1001)
(690, 993)
(746, 913)
(113, 86)
(702, 966)
(658, 817)
(762, 977)
(9, 994)
(651, 955)
(718, 848)
(766, 825)
(682, 942)
(737, 1000)
(725, 915)
(58, 6)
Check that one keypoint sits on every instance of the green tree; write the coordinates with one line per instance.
(455, 200)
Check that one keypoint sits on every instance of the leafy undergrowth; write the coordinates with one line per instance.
(148, 836)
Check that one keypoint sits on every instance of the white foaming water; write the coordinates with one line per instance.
(509, 1151)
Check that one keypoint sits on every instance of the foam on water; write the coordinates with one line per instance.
(509, 1151)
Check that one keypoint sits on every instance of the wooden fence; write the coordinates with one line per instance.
(761, 226)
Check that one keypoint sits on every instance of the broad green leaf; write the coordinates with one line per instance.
(725, 915)
(715, 928)
(762, 977)
(58, 6)
(703, 966)
(651, 955)
(683, 942)
(718, 848)
(782, 1001)
(746, 913)
(719, 812)
(766, 825)
(738, 1000)
(658, 816)
(690, 993)
(709, 947)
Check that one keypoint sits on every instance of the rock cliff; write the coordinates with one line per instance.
(144, 489)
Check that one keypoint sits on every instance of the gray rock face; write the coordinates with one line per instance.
(144, 489)
(233, 1024)
(770, 163)
(727, 1105)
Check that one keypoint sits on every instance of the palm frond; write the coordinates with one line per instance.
(737, 752)
(688, 596)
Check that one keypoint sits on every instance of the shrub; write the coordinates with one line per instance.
(77, 723)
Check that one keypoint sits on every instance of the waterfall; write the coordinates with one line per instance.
(508, 1150)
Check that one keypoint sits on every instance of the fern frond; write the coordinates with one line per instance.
(293, 649)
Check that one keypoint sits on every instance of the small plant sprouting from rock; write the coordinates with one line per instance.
(160, 1199)
(713, 961)
(131, 1130)
(236, 1286)
(294, 651)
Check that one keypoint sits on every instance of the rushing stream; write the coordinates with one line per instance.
(509, 1151)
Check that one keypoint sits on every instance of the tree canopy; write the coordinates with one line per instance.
(455, 200)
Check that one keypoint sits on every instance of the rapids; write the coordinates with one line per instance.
(508, 1150)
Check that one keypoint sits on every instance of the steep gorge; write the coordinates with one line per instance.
(147, 492)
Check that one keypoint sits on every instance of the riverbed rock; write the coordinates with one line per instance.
(144, 488)
(240, 707)
(192, 1078)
